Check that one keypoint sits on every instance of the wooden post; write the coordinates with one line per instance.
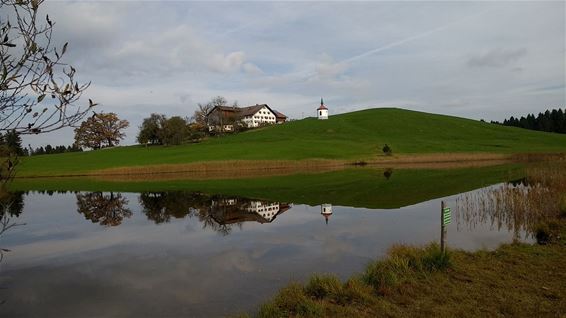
(442, 229)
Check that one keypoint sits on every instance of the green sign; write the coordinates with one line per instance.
(446, 216)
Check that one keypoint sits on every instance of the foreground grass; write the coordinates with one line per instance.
(352, 136)
(517, 280)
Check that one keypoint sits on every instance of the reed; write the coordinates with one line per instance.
(519, 207)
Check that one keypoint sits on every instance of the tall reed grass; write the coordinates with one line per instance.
(521, 206)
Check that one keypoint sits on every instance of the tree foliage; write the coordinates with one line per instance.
(175, 131)
(38, 92)
(549, 121)
(160, 130)
(150, 128)
(100, 130)
(11, 144)
(51, 150)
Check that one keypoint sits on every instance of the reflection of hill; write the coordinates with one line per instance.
(217, 212)
(360, 187)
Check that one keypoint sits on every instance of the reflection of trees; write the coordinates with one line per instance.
(12, 203)
(106, 209)
(161, 206)
(11, 206)
(216, 212)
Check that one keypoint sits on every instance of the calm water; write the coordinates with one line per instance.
(185, 254)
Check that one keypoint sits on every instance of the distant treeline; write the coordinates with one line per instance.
(49, 150)
(550, 121)
(11, 145)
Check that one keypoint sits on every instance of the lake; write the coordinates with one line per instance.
(185, 253)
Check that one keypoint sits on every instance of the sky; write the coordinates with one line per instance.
(482, 60)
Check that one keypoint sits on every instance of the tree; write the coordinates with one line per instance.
(38, 92)
(100, 130)
(11, 143)
(150, 129)
(175, 131)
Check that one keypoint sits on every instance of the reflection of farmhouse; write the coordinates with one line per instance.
(224, 118)
(230, 211)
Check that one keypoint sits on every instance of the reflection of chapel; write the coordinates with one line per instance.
(326, 211)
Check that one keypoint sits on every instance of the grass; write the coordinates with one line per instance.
(356, 187)
(353, 136)
(516, 280)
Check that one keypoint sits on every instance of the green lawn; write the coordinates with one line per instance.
(356, 135)
(356, 187)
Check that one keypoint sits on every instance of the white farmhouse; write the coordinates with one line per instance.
(254, 116)
(322, 111)
(223, 118)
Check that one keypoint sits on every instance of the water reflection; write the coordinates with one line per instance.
(216, 212)
(388, 173)
(63, 265)
(105, 209)
(510, 206)
(326, 211)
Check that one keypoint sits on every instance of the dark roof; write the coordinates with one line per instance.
(245, 111)
(250, 110)
(224, 108)
(279, 115)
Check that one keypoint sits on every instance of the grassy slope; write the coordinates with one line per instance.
(356, 135)
(360, 187)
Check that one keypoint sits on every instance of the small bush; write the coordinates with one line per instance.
(291, 301)
(322, 286)
(387, 150)
(355, 291)
(403, 263)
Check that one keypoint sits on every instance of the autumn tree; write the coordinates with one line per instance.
(101, 130)
(150, 129)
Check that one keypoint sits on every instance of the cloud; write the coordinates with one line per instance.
(497, 57)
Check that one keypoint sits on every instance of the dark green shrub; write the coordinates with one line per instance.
(387, 150)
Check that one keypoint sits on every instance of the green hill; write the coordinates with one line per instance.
(352, 136)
